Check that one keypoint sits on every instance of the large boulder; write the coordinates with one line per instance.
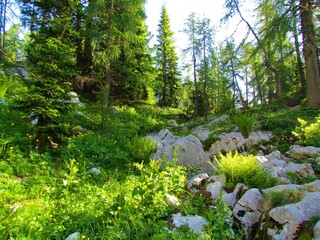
(188, 150)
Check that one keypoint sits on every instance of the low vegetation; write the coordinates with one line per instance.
(243, 169)
(99, 179)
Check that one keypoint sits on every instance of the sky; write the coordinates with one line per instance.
(179, 11)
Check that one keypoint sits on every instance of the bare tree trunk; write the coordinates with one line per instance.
(300, 70)
(196, 100)
(269, 67)
(310, 54)
(3, 20)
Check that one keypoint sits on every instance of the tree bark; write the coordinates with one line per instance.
(310, 54)
(300, 69)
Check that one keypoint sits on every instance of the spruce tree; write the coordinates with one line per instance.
(168, 76)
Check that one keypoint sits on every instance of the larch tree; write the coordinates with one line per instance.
(193, 49)
(205, 33)
(167, 61)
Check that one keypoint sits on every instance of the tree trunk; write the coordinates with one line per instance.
(300, 70)
(196, 100)
(310, 54)
(3, 19)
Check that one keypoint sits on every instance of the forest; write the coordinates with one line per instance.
(84, 98)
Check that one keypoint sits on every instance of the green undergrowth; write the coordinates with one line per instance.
(51, 194)
(243, 169)
(285, 122)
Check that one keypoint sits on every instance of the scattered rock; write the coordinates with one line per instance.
(279, 167)
(304, 170)
(281, 188)
(94, 171)
(230, 199)
(219, 178)
(219, 119)
(316, 231)
(215, 189)
(172, 123)
(311, 187)
(195, 183)
(248, 211)
(75, 99)
(291, 216)
(195, 223)
(201, 132)
(228, 142)
(74, 236)
(300, 153)
(239, 189)
(235, 141)
(172, 200)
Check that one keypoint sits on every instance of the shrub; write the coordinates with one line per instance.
(243, 169)
(140, 149)
(245, 122)
(308, 134)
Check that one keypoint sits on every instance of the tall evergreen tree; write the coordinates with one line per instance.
(168, 63)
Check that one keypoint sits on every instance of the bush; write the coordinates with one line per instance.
(243, 169)
(245, 122)
(140, 149)
(308, 134)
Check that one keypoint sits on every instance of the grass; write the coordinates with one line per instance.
(280, 198)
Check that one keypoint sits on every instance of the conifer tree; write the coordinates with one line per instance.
(167, 60)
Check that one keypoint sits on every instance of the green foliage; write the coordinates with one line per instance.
(243, 169)
(168, 85)
(245, 122)
(308, 134)
(154, 183)
(46, 101)
(140, 149)
(280, 198)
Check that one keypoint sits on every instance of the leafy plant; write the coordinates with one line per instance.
(308, 134)
(154, 183)
(245, 122)
(140, 149)
(243, 169)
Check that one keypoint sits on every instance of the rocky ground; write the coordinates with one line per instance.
(252, 208)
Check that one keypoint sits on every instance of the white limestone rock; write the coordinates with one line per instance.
(74, 236)
(195, 223)
(196, 182)
(300, 153)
